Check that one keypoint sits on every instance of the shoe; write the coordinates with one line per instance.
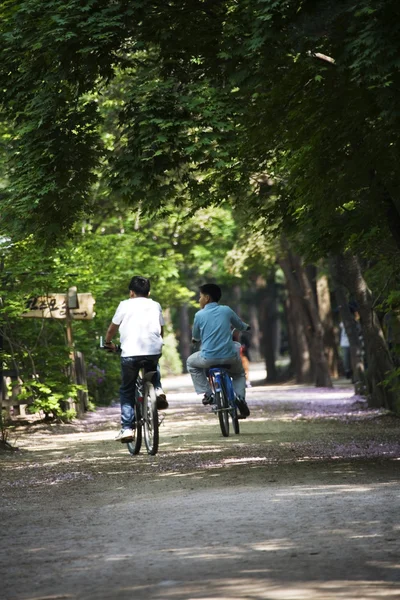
(248, 384)
(244, 410)
(125, 435)
(208, 399)
(162, 402)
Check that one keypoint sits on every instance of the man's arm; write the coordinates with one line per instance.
(113, 327)
(162, 320)
(111, 331)
(195, 331)
(238, 323)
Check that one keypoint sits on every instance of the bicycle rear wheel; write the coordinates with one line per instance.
(230, 396)
(150, 418)
(135, 445)
(235, 420)
(223, 414)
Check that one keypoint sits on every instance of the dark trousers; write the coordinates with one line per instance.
(130, 366)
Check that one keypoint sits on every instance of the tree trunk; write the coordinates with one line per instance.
(357, 363)
(254, 323)
(325, 314)
(379, 361)
(300, 359)
(237, 298)
(312, 274)
(270, 329)
(184, 334)
(301, 289)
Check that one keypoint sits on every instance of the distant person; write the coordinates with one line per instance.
(245, 356)
(213, 328)
(344, 344)
(141, 327)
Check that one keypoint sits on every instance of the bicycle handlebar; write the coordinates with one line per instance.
(111, 347)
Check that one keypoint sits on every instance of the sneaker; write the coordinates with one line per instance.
(125, 435)
(208, 399)
(244, 410)
(162, 402)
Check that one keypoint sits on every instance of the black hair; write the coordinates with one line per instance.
(212, 290)
(140, 285)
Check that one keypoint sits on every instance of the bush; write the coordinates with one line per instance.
(103, 383)
(52, 398)
(170, 362)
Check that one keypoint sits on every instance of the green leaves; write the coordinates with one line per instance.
(52, 54)
(110, 101)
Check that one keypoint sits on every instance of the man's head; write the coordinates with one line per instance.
(209, 292)
(140, 286)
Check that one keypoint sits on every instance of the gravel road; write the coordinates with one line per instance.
(303, 505)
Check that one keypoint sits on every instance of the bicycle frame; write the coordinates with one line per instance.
(219, 377)
(225, 401)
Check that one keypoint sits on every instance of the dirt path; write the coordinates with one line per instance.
(302, 505)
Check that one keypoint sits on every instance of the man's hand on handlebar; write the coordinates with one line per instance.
(110, 347)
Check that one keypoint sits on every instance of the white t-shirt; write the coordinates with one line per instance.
(140, 321)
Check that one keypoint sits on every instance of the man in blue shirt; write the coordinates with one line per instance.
(213, 326)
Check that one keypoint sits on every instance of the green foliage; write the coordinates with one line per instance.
(49, 398)
(177, 252)
(52, 54)
(174, 137)
(170, 362)
(124, 95)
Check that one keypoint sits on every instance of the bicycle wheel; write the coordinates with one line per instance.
(223, 414)
(230, 394)
(235, 420)
(150, 418)
(135, 445)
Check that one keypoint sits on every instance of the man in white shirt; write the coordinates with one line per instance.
(141, 327)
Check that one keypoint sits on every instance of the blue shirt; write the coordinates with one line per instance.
(213, 327)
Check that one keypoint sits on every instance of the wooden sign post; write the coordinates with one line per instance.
(54, 306)
(70, 306)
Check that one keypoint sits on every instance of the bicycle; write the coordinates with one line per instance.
(225, 399)
(146, 413)
(146, 418)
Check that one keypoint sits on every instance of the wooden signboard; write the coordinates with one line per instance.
(54, 306)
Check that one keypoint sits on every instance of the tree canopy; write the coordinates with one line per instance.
(303, 92)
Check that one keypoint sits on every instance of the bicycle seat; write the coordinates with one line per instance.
(145, 362)
(226, 366)
(149, 368)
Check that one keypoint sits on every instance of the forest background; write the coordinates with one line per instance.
(254, 143)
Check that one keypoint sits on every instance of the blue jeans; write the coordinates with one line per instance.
(130, 366)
